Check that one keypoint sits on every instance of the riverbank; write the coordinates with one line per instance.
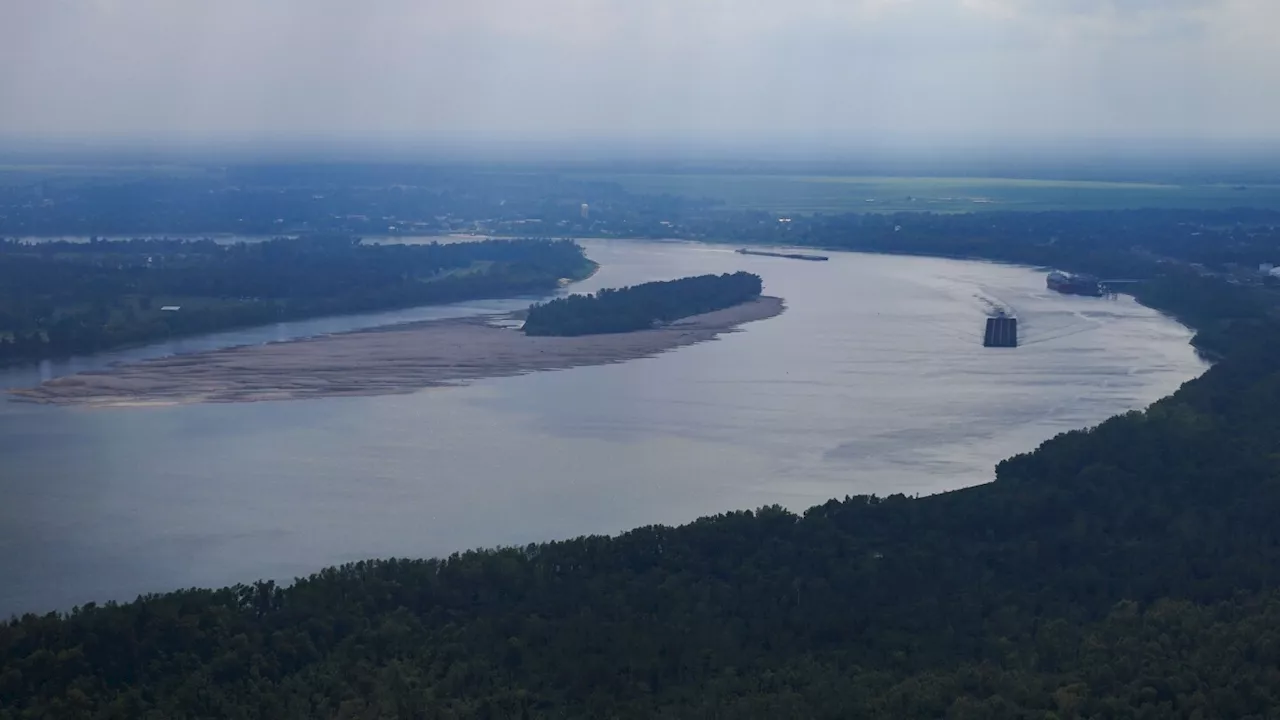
(381, 361)
(150, 291)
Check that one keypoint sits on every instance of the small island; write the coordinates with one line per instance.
(641, 307)
(414, 356)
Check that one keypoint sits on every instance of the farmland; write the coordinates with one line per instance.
(837, 194)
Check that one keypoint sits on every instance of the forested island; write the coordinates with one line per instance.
(641, 307)
(62, 298)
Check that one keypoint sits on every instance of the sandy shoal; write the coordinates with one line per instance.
(382, 361)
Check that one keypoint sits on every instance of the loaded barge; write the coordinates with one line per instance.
(1001, 331)
(792, 256)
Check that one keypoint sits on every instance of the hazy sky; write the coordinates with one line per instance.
(835, 69)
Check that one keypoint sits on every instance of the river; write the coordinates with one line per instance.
(873, 381)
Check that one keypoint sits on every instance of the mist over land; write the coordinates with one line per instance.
(1051, 88)
(1193, 161)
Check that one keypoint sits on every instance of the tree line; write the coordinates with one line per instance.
(640, 307)
(64, 298)
(338, 198)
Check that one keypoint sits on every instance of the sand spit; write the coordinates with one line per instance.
(381, 361)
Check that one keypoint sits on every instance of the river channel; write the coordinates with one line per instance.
(874, 380)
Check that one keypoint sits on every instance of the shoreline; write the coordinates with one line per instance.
(388, 360)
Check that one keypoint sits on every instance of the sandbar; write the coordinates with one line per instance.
(392, 360)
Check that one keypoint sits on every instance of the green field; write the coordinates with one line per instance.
(837, 194)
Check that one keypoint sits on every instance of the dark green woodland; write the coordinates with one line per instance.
(641, 307)
(61, 298)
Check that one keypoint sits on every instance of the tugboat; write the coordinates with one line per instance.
(1086, 285)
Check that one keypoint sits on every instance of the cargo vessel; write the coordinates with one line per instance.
(792, 256)
(1001, 331)
(1087, 285)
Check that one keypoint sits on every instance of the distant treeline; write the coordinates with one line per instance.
(640, 307)
(1111, 243)
(64, 298)
(392, 199)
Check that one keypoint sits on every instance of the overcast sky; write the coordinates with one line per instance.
(819, 69)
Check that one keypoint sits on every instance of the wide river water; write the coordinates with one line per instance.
(873, 381)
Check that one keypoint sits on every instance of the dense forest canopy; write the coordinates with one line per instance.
(640, 307)
(62, 298)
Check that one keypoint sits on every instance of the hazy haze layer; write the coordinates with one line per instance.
(839, 72)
